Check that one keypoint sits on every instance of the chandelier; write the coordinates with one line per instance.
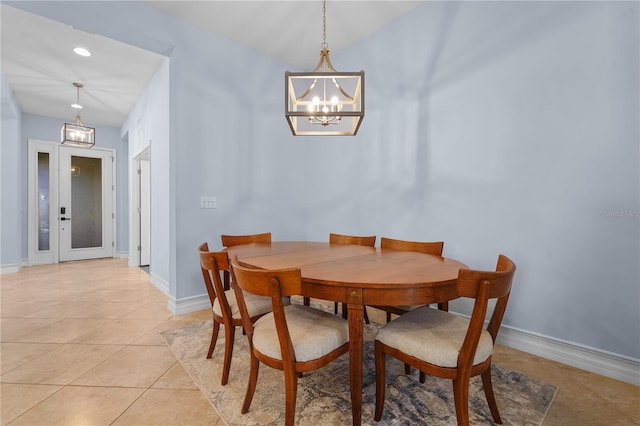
(77, 134)
(324, 101)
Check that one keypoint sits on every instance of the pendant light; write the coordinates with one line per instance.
(77, 134)
(324, 101)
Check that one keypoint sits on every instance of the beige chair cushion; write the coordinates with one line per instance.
(314, 333)
(256, 305)
(433, 336)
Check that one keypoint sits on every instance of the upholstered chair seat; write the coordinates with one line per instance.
(433, 336)
(314, 333)
(256, 305)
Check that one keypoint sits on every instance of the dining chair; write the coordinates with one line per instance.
(428, 247)
(224, 305)
(447, 345)
(234, 240)
(295, 338)
(368, 241)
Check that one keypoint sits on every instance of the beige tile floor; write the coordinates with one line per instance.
(81, 346)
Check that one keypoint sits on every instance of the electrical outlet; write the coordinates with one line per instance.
(208, 203)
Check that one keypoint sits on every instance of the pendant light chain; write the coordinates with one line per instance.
(324, 44)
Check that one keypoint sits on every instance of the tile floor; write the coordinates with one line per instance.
(81, 346)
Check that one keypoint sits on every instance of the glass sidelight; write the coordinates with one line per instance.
(44, 224)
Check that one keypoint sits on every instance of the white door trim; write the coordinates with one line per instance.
(134, 217)
(35, 257)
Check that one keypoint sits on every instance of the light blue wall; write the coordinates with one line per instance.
(48, 129)
(11, 213)
(229, 139)
(503, 127)
(148, 127)
(498, 127)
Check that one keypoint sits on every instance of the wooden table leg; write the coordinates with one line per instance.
(356, 342)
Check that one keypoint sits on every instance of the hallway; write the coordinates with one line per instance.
(80, 345)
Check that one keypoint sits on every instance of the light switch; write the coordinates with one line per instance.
(208, 203)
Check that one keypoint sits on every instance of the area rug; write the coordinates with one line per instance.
(324, 398)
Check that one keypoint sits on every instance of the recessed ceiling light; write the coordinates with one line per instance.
(76, 106)
(82, 51)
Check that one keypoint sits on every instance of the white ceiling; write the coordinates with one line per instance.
(40, 66)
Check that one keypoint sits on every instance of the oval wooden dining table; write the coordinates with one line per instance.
(358, 276)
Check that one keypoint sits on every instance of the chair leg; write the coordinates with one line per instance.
(461, 399)
(388, 317)
(423, 377)
(380, 381)
(491, 399)
(226, 280)
(407, 368)
(335, 308)
(291, 393)
(229, 337)
(251, 387)
(214, 338)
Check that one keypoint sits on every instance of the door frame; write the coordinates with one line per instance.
(136, 225)
(52, 255)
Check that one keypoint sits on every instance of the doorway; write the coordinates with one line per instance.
(71, 203)
(141, 220)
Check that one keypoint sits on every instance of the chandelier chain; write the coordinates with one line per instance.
(324, 44)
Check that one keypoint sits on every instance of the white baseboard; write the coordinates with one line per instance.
(122, 255)
(159, 283)
(600, 362)
(189, 304)
(607, 364)
(11, 268)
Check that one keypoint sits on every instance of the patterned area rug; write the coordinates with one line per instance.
(324, 398)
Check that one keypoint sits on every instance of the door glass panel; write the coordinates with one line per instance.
(86, 202)
(43, 201)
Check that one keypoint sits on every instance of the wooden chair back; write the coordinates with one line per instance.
(483, 286)
(352, 239)
(234, 240)
(427, 247)
(211, 263)
(276, 283)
